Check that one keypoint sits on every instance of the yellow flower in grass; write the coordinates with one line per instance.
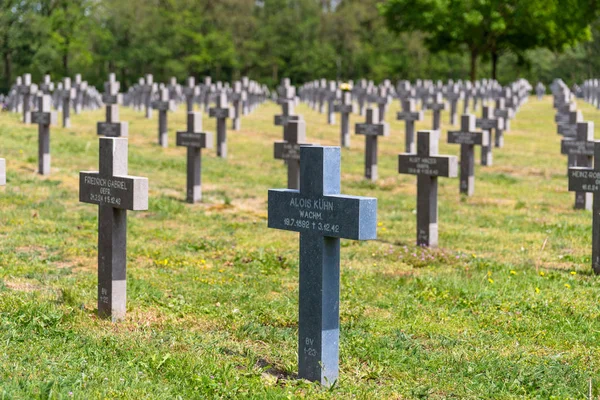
(573, 272)
(490, 280)
(537, 289)
(567, 286)
(542, 273)
(513, 272)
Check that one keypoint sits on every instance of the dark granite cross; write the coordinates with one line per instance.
(287, 111)
(190, 91)
(163, 105)
(221, 112)
(580, 151)
(453, 95)
(345, 107)
(437, 105)
(294, 136)
(372, 129)
(322, 216)
(487, 122)
(114, 192)
(582, 179)
(238, 97)
(111, 97)
(331, 95)
(427, 165)
(409, 115)
(195, 140)
(47, 87)
(506, 113)
(27, 89)
(148, 90)
(467, 137)
(44, 117)
(68, 94)
(569, 128)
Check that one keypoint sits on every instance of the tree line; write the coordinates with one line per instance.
(299, 39)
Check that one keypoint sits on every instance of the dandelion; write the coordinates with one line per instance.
(384, 229)
(473, 255)
(537, 289)
(567, 286)
(542, 273)
(489, 273)
(380, 224)
(221, 270)
(513, 272)
(490, 280)
(573, 272)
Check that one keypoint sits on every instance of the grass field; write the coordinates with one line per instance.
(506, 308)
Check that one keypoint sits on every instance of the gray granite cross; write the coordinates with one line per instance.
(487, 122)
(221, 112)
(409, 115)
(163, 105)
(427, 165)
(287, 111)
(238, 97)
(372, 129)
(195, 140)
(437, 105)
(582, 179)
(68, 95)
(322, 216)
(2, 171)
(294, 136)
(190, 91)
(47, 87)
(44, 117)
(148, 90)
(27, 89)
(114, 192)
(111, 97)
(345, 107)
(467, 137)
(580, 151)
(330, 94)
(506, 113)
(453, 95)
(569, 128)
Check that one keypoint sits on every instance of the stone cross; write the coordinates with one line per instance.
(68, 95)
(409, 115)
(195, 140)
(27, 89)
(238, 96)
(467, 137)
(506, 113)
(2, 172)
(322, 216)
(206, 92)
(437, 105)
(372, 128)
(427, 165)
(580, 151)
(44, 117)
(582, 179)
(287, 108)
(111, 97)
(453, 95)
(345, 107)
(114, 192)
(148, 89)
(163, 105)
(540, 90)
(221, 112)
(382, 100)
(47, 87)
(569, 128)
(330, 94)
(294, 136)
(487, 122)
(190, 91)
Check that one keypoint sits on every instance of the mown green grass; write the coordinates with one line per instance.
(506, 308)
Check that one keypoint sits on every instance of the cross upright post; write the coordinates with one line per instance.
(44, 117)
(382, 100)
(148, 91)
(322, 216)
(190, 91)
(585, 179)
(289, 149)
(428, 166)
(580, 151)
(111, 97)
(372, 129)
(330, 95)
(2, 172)
(238, 96)
(221, 112)
(163, 105)
(345, 108)
(195, 140)
(287, 110)
(47, 87)
(409, 115)
(487, 122)
(114, 192)
(569, 128)
(453, 95)
(467, 137)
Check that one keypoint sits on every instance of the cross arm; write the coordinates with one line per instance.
(583, 179)
(340, 216)
(381, 129)
(202, 140)
(576, 147)
(475, 138)
(124, 192)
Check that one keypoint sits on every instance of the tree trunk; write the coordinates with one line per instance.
(473, 65)
(495, 57)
